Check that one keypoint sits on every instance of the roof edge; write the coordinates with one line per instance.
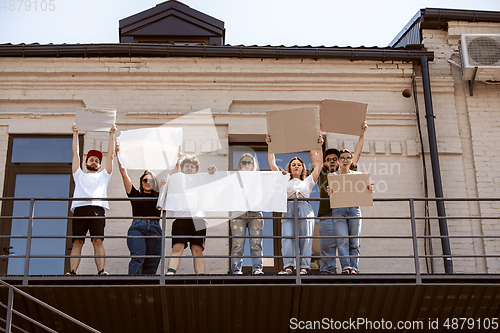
(205, 51)
(444, 14)
(406, 28)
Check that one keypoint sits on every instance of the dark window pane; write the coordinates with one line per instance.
(41, 185)
(36, 150)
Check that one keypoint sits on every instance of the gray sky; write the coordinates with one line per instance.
(255, 22)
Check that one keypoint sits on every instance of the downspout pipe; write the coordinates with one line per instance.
(436, 173)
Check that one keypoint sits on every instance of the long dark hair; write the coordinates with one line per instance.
(154, 183)
(289, 167)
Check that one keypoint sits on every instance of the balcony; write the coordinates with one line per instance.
(268, 303)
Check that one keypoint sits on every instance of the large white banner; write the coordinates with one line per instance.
(224, 191)
(149, 148)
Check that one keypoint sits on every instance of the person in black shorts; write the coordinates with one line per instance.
(186, 225)
(92, 185)
(145, 223)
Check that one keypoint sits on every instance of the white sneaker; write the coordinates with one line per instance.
(170, 273)
(238, 273)
(259, 272)
(285, 271)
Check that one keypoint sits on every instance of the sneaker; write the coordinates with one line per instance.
(70, 273)
(103, 273)
(303, 271)
(170, 273)
(238, 273)
(259, 272)
(286, 271)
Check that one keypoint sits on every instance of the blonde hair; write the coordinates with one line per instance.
(255, 163)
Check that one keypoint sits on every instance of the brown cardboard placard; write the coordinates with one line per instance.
(95, 119)
(342, 117)
(350, 190)
(293, 130)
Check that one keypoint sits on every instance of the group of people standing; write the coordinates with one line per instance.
(144, 234)
(332, 221)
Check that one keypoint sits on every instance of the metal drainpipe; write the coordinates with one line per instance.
(436, 173)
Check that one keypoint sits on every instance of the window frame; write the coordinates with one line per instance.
(14, 168)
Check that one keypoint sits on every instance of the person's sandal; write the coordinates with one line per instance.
(346, 271)
(303, 271)
(285, 271)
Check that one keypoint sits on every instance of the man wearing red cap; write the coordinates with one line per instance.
(92, 185)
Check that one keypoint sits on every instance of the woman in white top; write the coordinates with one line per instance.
(299, 186)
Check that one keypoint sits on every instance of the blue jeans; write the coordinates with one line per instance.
(328, 246)
(144, 246)
(254, 222)
(306, 228)
(348, 227)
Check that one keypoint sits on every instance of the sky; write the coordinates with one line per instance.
(255, 22)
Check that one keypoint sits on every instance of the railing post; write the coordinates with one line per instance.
(10, 306)
(296, 239)
(28, 242)
(163, 234)
(415, 243)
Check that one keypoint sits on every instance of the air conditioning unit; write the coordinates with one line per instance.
(480, 57)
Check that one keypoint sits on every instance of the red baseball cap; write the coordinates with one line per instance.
(96, 153)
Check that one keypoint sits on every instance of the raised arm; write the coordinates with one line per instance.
(111, 146)
(75, 164)
(317, 160)
(126, 179)
(270, 157)
(179, 156)
(359, 145)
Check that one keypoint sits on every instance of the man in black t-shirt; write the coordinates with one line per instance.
(328, 246)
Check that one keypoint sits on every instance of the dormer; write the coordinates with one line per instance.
(172, 22)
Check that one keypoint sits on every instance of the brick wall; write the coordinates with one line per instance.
(152, 92)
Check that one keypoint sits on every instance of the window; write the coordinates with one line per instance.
(37, 166)
(270, 246)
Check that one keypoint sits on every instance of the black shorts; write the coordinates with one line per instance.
(185, 227)
(95, 226)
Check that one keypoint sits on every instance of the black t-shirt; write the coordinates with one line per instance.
(324, 206)
(143, 207)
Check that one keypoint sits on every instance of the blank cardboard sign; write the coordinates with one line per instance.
(342, 117)
(293, 130)
(95, 119)
(350, 190)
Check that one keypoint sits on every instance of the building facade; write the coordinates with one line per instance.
(152, 85)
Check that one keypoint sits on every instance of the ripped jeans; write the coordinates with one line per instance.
(254, 222)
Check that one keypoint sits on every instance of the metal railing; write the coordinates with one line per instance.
(10, 311)
(412, 217)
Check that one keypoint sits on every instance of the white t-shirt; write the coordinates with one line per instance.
(90, 185)
(186, 213)
(304, 187)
